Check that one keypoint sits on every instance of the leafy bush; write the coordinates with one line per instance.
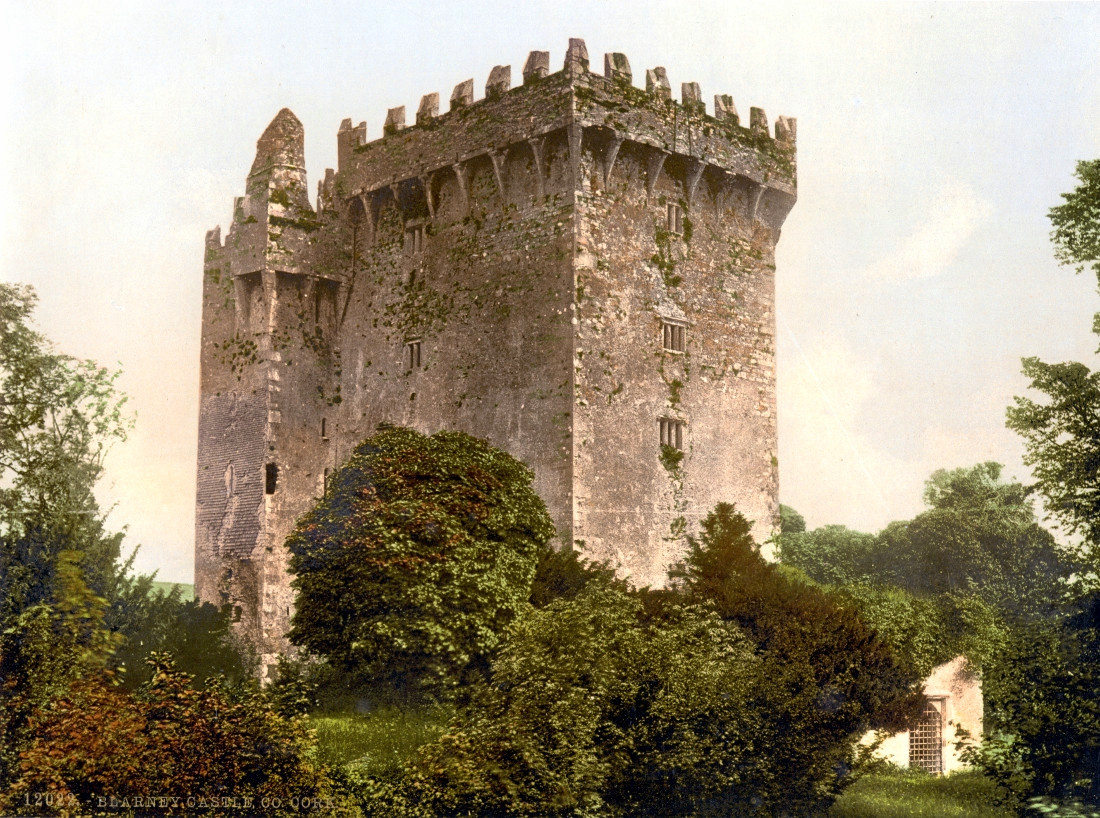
(562, 574)
(828, 676)
(419, 555)
(173, 741)
(43, 650)
(741, 692)
(1043, 709)
(913, 626)
(592, 712)
(831, 554)
(195, 633)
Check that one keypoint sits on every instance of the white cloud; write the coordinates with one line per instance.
(951, 218)
(829, 471)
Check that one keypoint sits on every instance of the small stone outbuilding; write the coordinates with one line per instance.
(953, 711)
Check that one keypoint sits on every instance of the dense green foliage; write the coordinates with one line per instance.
(740, 691)
(564, 573)
(1043, 708)
(593, 711)
(914, 627)
(70, 607)
(43, 650)
(831, 678)
(419, 555)
(1045, 733)
(195, 633)
(832, 554)
(1060, 431)
(58, 418)
(1062, 439)
(171, 741)
(1076, 233)
(790, 521)
(979, 537)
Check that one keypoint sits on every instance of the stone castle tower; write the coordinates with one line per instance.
(575, 269)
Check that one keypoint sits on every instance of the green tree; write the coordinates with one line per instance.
(196, 634)
(790, 521)
(418, 556)
(1076, 233)
(1043, 708)
(58, 418)
(204, 750)
(913, 626)
(593, 711)
(1061, 431)
(829, 677)
(1061, 434)
(833, 554)
(979, 536)
(43, 650)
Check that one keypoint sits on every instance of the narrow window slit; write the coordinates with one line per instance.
(672, 433)
(674, 335)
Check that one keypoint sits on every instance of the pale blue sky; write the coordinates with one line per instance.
(913, 274)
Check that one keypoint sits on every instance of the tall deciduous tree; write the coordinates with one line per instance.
(419, 555)
(980, 536)
(58, 417)
(1062, 430)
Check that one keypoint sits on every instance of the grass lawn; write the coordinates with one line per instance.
(380, 740)
(187, 590)
(901, 794)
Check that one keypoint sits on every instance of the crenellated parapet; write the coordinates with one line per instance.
(586, 111)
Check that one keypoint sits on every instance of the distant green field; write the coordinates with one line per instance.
(379, 741)
(187, 590)
(903, 794)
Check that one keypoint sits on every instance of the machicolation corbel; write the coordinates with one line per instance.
(500, 80)
(462, 95)
(656, 83)
(617, 67)
(536, 67)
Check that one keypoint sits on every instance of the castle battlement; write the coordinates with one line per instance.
(577, 269)
(536, 68)
(587, 111)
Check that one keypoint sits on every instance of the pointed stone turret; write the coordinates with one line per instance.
(283, 144)
(272, 222)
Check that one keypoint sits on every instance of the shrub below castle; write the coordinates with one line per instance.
(417, 558)
(214, 751)
(740, 692)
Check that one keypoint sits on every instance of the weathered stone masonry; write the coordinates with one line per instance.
(575, 269)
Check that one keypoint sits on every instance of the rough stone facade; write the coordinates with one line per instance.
(575, 269)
